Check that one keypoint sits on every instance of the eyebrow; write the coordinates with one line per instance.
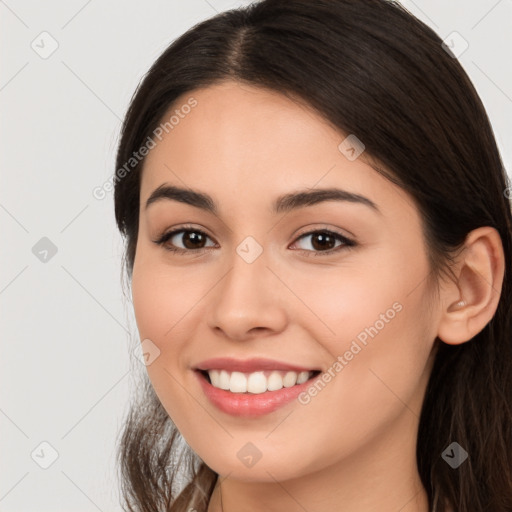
(284, 203)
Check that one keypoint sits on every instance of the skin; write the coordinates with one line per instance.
(352, 447)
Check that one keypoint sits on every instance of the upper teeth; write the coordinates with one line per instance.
(256, 382)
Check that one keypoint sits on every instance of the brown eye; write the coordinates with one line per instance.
(322, 241)
(325, 241)
(191, 239)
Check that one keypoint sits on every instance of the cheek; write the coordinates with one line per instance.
(163, 297)
(147, 303)
(374, 318)
(376, 379)
(339, 303)
(161, 316)
(166, 305)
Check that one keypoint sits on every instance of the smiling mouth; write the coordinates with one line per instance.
(256, 382)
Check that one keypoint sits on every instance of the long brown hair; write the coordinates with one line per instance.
(371, 69)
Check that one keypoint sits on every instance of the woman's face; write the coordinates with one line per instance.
(333, 285)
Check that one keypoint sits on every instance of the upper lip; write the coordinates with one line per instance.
(248, 365)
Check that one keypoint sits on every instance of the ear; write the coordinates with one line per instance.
(479, 270)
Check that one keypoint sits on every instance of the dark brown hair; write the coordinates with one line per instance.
(371, 69)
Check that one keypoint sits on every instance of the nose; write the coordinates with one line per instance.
(248, 301)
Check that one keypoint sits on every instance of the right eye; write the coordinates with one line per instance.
(191, 238)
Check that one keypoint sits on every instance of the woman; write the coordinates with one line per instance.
(318, 239)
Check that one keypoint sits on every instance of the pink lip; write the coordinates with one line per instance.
(249, 365)
(250, 405)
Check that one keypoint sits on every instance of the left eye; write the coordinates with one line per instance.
(322, 241)
(193, 240)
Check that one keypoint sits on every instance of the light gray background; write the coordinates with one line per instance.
(66, 327)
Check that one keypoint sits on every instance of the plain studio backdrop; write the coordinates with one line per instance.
(68, 72)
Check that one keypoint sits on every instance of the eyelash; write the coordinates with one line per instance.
(346, 242)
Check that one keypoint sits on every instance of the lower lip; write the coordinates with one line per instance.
(249, 404)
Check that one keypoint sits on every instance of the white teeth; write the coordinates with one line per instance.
(215, 378)
(224, 380)
(303, 377)
(238, 383)
(274, 382)
(256, 382)
(290, 379)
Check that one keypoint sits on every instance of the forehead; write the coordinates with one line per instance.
(232, 121)
(239, 137)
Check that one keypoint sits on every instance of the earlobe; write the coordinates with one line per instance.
(471, 301)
